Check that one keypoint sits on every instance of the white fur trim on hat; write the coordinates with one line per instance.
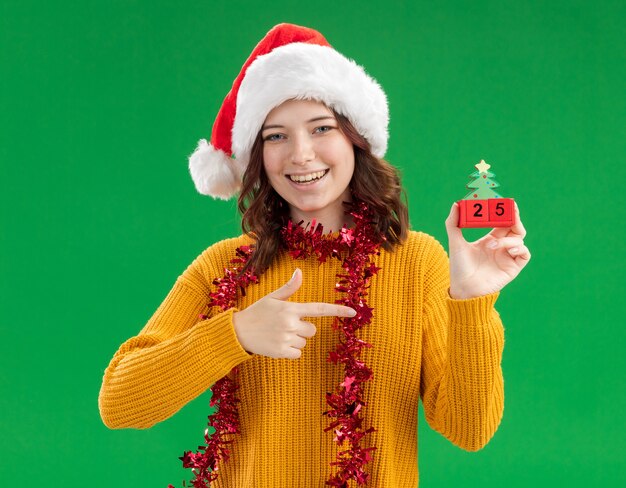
(213, 172)
(309, 71)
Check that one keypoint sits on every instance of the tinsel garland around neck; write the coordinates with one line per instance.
(358, 244)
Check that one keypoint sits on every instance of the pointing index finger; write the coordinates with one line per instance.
(321, 309)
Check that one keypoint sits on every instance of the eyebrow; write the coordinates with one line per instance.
(314, 119)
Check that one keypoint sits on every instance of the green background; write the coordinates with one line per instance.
(101, 104)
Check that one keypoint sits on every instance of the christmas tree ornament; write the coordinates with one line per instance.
(483, 206)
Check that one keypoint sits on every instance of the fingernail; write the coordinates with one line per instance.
(514, 249)
(293, 275)
(492, 244)
(352, 312)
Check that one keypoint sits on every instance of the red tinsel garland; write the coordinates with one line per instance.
(360, 243)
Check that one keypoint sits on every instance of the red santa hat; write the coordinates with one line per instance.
(290, 62)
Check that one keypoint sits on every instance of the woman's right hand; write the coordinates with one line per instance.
(273, 326)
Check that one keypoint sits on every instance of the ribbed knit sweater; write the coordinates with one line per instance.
(425, 345)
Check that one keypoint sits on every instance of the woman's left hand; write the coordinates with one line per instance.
(478, 269)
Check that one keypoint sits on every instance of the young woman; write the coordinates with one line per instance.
(322, 325)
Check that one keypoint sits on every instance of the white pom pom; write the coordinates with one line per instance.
(212, 172)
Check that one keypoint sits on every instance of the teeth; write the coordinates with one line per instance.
(305, 178)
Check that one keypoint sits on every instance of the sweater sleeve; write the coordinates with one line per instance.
(174, 358)
(462, 386)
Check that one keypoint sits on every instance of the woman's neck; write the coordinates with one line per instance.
(330, 219)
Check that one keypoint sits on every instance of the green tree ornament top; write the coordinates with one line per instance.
(483, 183)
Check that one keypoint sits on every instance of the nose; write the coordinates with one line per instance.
(302, 149)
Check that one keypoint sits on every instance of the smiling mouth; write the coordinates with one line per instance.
(317, 176)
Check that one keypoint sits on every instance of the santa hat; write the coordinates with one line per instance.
(289, 62)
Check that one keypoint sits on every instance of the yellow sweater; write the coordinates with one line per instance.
(425, 345)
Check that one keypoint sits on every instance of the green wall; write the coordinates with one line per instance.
(101, 104)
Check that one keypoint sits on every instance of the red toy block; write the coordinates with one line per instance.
(501, 210)
(473, 213)
(493, 212)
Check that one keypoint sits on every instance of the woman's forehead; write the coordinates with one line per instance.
(297, 109)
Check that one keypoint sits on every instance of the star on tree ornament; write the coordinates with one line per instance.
(482, 167)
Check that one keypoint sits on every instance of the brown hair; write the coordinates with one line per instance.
(375, 182)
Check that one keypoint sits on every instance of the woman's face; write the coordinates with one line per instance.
(302, 141)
